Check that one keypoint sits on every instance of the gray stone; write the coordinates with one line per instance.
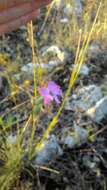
(88, 163)
(75, 139)
(69, 141)
(68, 10)
(84, 70)
(85, 98)
(17, 76)
(53, 63)
(98, 112)
(29, 68)
(50, 151)
(76, 8)
(93, 50)
(48, 67)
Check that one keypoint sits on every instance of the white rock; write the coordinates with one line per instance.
(11, 139)
(99, 111)
(64, 21)
(54, 51)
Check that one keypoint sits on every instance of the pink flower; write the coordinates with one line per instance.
(50, 93)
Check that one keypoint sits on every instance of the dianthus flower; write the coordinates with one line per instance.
(50, 93)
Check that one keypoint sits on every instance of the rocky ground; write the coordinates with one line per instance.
(76, 149)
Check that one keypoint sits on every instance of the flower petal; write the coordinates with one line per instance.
(52, 92)
(54, 88)
(43, 91)
(48, 99)
(56, 100)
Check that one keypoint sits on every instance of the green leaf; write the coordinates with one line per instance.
(37, 109)
(38, 101)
